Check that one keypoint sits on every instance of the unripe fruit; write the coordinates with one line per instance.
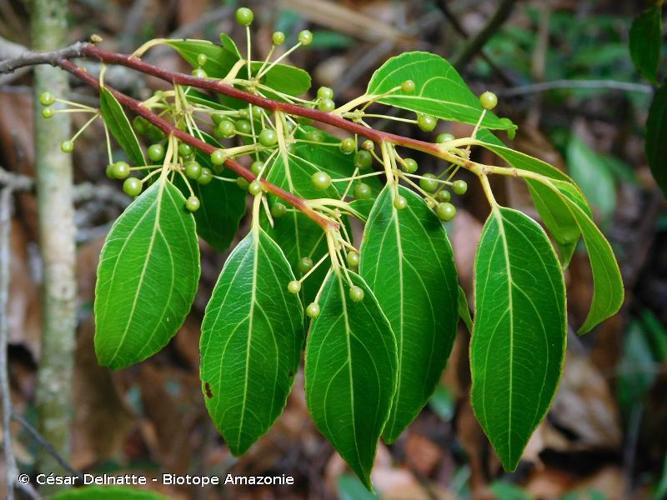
(426, 123)
(254, 188)
(217, 117)
(444, 137)
(156, 152)
(304, 265)
(67, 146)
(47, 113)
(326, 105)
(400, 202)
(408, 86)
(352, 259)
(321, 180)
(199, 73)
(193, 170)
(132, 186)
(242, 126)
(192, 204)
(218, 157)
(120, 170)
(184, 150)
(363, 160)
(294, 287)
(429, 183)
(348, 146)
(268, 137)
(225, 129)
(356, 294)
(46, 99)
(488, 100)
(410, 166)
(445, 211)
(313, 310)
(278, 210)
(278, 38)
(443, 195)
(205, 177)
(362, 191)
(305, 37)
(325, 93)
(201, 59)
(460, 187)
(256, 167)
(242, 183)
(244, 16)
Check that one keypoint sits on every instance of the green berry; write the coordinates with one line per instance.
(313, 310)
(47, 113)
(410, 165)
(294, 287)
(326, 105)
(429, 183)
(488, 100)
(257, 112)
(408, 86)
(132, 186)
(67, 146)
(184, 150)
(321, 180)
(352, 258)
(362, 191)
(244, 16)
(205, 177)
(218, 157)
(243, 113)
(426, 123)
(443, 195)
(242, 183)
(356, 294)
(201, 59)
(46, 99)
(348, 145)
(156, 152)
(243, 126)
(268, 137)
(400, 202)
(460, 187)
(445, 211)
(304, 265)
(444, 137)
(254, 188)
(325, 93)
(120, 170)
(192, 204)
(193, 170)
(305, 37)
(199, 73)
(368, 145)
(217, 117)
(363, 160)
(278, 38)
(225, 129)
(256, 167)
(278, 210)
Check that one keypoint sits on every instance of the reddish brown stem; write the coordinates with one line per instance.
(169, 129)
(228, 90)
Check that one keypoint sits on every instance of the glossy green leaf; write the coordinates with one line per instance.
(519, 334)
(656, 131)
(118, 124)
(645, 42)
(407, 261)
(284, 78)
(464, 309)
(219, 58)
(147, 277)
(590, 172)
(440, 91)
(252, 334)
(107, 493)
(350, 372)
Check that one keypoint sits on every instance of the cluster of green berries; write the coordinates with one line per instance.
(245, 17)
(46, 99)
(325, 99)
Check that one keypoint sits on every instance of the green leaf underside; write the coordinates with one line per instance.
(350, 372)
(252, 334)
(518, 341)
(118, 124)
(103, 493)
(221, 58)
(407, 261)
(147, 277)
(656, 131)
(645, 38)
(440, 91)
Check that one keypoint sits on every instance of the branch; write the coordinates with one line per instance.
(31, 58)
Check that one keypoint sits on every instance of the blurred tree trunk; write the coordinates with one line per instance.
(57, 243)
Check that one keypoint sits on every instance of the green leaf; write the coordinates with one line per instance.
(464, 309)
(219, 58)
(116, 121)
(407, 261)
(590, 172)
(107, 493)
(252, 334)
(656, 131)
(350, 372)
(147, 277)
(440, 91)
(284, 78)
(645, 42)
(518, 340)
